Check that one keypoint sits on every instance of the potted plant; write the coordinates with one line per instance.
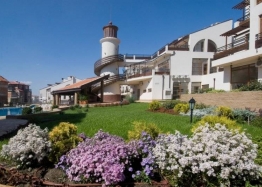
(83, 99)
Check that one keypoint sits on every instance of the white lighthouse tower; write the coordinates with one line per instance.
(110, 59)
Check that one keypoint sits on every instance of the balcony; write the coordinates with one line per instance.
(243, 20)
(258, 43)
(179, 48)
(239, 44)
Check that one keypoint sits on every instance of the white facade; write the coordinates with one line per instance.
(45, 93)
(241, 60)
(182, 66)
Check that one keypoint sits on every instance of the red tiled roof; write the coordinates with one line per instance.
(79, 84)
(16, 82)
(2, 79)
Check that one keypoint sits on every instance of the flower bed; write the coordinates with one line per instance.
(213, 155)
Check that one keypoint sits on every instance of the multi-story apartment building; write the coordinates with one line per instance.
(241, 54)
(3, 91)
(19, 93)
(46, 93)
(216, 57)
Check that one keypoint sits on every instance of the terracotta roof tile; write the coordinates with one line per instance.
(2, 79)
(79, 84)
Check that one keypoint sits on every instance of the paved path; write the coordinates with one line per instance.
(9, 125)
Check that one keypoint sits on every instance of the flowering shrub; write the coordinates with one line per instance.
(214, 155)
(29, 147)
(224, 111)
(103, 158)
(212, 120)
(143, 171)
(140, 127)
(63, 138)
(154, 105)
(199, 113)
(182, 108)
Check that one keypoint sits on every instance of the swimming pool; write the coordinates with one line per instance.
(10, 111)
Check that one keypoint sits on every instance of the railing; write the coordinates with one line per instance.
(110, 80)
(105, 61)
(243, 19)
(147, 72)
(258, 43)
(137, 56)
(238, 45)
(179, 48)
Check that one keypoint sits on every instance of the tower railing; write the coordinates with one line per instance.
(111, 79)
(99, 64)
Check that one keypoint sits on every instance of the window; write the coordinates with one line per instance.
(212, 69)
(205, 69)
(199, 47)
(195, 87)
(243, 75)
(197, 67)
(211, 46)
(149, 90)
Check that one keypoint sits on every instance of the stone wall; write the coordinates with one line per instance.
(246, 99)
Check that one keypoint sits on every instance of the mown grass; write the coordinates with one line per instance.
(118, 120)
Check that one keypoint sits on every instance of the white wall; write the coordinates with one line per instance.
(109, 46)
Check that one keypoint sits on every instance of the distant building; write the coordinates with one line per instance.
(3, 91)
(35, 99)
(19, 93)
(45, 93)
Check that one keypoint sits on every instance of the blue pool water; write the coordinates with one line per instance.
(10, 111)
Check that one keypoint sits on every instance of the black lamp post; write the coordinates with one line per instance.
(192, 103)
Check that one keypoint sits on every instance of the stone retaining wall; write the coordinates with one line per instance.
(246, 99)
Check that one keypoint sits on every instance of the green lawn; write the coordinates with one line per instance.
(118, 120)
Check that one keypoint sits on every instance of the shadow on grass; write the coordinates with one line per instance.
(53, 120)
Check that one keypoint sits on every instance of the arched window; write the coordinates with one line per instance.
(199, 47)
(211, 46)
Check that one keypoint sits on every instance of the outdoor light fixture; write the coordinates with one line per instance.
(192, 103)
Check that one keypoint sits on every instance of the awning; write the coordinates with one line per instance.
(242, 4)
(237, 29)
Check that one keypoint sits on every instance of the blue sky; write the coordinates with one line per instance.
(42, 41)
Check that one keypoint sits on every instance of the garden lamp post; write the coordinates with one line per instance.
(192, 103)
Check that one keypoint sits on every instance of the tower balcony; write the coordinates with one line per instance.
(101, 63)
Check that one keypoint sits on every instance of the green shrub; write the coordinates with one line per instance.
(129, 98)
(181, 107)
(252, 86)
(154, 105)
(63, 138)
(27, 110)
(212, 120)
(201, 106)
(38, 109)
(224, 111)
(54, 106)
(258, 141)
(257, 121)
(171, 104)
(139, 127)
(243, 115)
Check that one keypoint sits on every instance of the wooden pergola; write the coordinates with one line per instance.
(76, 88)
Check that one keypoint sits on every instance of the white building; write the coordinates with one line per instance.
(186, 65)
(241, 54)
(45, 93)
